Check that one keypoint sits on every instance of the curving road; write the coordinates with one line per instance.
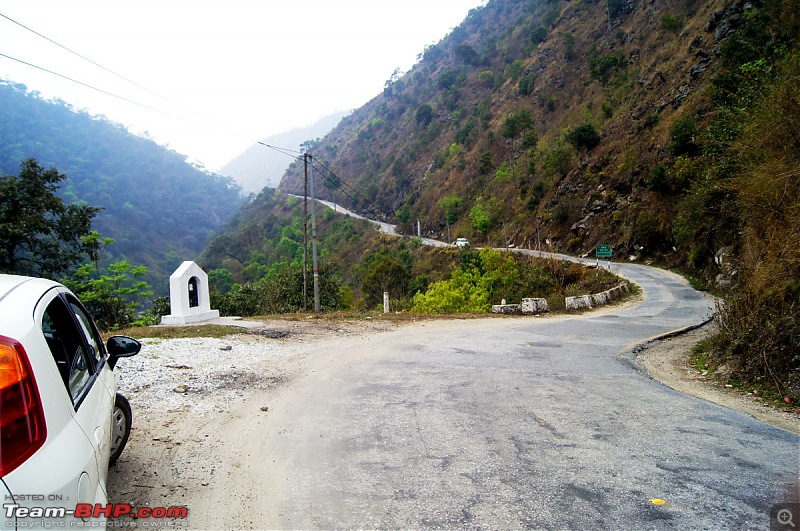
(516, 423)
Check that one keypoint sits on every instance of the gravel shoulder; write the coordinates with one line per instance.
(198, 405)
(668, 362)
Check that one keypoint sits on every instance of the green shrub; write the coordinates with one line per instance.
(452, 206)
(486, 78)
(671, 23)
(600, 68)
(682, 133)
(583, 136)
(514, 70)
(657, 179)
(516, 123)
(557, 159)
(569, 45)
(526, 85)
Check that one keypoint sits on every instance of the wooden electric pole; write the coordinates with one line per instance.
(305, 233)
(314, 263)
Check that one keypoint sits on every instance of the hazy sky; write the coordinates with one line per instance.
(234, 71)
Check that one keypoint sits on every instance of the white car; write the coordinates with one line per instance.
(462, 242)
(61, 420)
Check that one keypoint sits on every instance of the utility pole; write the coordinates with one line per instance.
(314, 238)
(305, 233)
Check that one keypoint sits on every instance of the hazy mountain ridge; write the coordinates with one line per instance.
(259, 166)
(159, 209)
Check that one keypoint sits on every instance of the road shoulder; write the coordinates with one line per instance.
(668, 362)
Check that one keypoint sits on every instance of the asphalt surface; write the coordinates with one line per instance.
(520, 423)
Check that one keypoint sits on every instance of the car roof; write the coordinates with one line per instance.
(13, 283)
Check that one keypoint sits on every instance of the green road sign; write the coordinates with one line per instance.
(603, 250)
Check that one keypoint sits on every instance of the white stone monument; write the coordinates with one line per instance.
(189, 299)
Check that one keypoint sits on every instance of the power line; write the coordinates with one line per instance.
(361, 200)
(128, 80)
(92, 87)
(331, 178)
(284, 151)
(297, 155)
(336, 182)
(198, 119)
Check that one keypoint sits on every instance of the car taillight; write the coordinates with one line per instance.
(22, 426)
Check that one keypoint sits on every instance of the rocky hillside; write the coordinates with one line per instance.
(575, 122)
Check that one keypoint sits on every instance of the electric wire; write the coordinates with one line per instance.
(201, 120)
(358, 199)
(329, 177)
(92, 87)
(120, 76)
(284, 151)
(335, 182)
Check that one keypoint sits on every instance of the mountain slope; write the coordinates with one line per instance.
(540, 120)
(159, 209)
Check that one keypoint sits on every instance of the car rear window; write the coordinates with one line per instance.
(77, 356)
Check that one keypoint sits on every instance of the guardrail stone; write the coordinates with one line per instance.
(507, 309)
(534, 305)
(582, 302)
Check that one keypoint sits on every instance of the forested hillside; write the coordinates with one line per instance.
(666, 129)
(159, 209)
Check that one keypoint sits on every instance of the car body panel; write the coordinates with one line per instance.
(71, 467)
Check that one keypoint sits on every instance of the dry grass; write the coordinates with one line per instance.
(760, 325)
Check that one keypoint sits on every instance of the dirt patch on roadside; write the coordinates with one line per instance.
(197, 400)
(668, 362)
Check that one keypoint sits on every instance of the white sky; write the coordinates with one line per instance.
(239, 70)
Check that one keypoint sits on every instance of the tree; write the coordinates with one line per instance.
(385, 274)
(113, 298)
(424, 114)
(682, 133)
(569, 45)
(112, 295)
(583, 136)
(483, 214)
(452, 206)
(41, 235)
(467, 55)
(516, 123)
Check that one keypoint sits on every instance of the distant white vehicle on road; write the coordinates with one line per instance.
(462, 242)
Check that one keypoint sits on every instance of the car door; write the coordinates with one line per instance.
(82, 362)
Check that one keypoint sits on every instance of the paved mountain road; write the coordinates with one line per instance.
(507, 423)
